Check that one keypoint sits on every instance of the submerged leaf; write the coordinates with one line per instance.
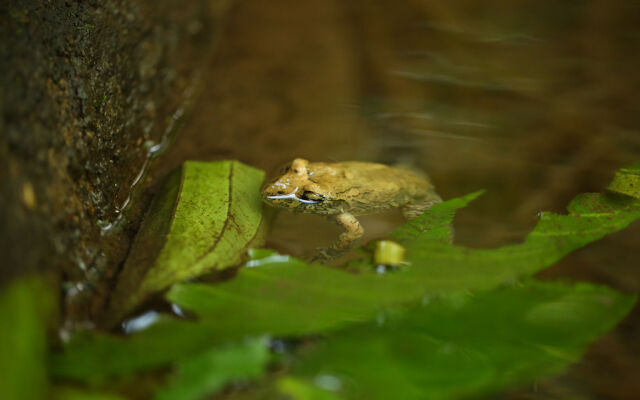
(466, 344)
(205, 217)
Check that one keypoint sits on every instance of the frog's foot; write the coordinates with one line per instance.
(325, 255)
(412, 210)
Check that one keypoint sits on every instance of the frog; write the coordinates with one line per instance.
(342, 191)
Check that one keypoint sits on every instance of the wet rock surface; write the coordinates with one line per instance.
(90, 92)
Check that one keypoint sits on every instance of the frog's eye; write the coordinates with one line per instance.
(285, 169)
(308, 195)
(299, 166)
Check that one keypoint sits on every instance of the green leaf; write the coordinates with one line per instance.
(447, 267)
(300, 389)
(200, 367)
(283, 296)
(205, 217)
(25, 306)
(96, 356)
(435, 224)
(207, 372)
(627, 181)
(461, 344)
(74, 393)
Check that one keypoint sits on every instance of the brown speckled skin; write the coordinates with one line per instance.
(345, 189)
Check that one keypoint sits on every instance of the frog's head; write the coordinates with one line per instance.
(294, 189)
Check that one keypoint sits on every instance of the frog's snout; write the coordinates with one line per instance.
(274, 191)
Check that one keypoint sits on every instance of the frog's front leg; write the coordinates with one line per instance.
(346, 240)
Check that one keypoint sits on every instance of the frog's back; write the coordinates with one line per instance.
(370, 187)
(373, 173)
